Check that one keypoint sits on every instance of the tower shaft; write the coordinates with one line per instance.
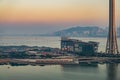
(112, 47)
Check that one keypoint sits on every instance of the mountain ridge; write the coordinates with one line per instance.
(78, 31)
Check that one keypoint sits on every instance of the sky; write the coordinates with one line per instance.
(49, 15)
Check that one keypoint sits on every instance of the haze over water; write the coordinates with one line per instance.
(56, 72)
(46, 41)
(44, 16)
(60, 72)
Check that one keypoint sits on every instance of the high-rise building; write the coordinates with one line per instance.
(112, 46)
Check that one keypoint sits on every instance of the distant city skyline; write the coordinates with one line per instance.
(56, 14)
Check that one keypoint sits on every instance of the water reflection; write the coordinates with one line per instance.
(80, 68)
(81, 72)
(112, 71)
(60, 72)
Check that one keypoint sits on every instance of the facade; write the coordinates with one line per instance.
(79, 47)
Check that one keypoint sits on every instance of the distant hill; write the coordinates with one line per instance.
(88, 31)
(82, 32)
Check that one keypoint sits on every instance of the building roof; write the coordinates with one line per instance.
(79, 41)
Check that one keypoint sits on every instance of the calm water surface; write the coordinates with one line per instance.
(56, 72)
(60, 72)
(45, 41)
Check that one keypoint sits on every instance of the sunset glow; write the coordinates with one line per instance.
(56, 11)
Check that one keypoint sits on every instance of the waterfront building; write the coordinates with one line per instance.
(79, 47)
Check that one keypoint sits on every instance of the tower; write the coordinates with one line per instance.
(112, 47)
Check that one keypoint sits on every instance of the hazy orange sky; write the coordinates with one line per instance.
(57, 12)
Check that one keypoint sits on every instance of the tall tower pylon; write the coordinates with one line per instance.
(112, 46)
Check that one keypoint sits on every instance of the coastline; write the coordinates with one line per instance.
(60, 61)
